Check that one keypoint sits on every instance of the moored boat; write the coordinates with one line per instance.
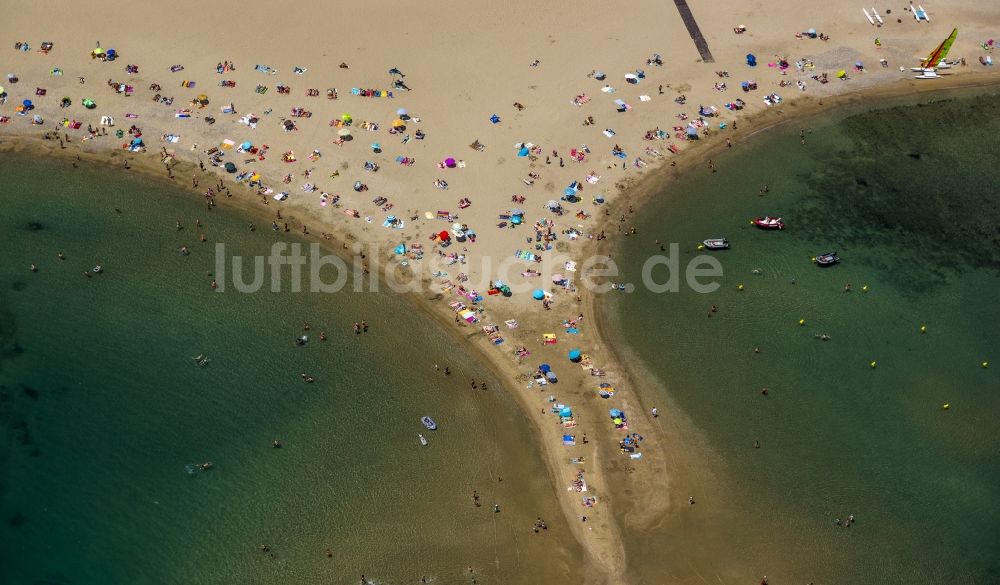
(716, 244)
(429, 423)
(828, 259)
(423, 440)
(769, 223)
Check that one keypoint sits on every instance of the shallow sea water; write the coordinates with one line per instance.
(103, 412)
(906, 194)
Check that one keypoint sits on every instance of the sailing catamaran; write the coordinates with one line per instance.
(929, 66)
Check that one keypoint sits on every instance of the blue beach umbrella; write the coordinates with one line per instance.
(246, 145)
(574, 355)
(545, 368)
(538, 295)
(27, 104)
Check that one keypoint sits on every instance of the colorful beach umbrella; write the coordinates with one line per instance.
(246, 145)
(2, 90)
(574, 355)
(27, 104)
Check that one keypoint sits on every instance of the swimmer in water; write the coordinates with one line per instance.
(34, 268)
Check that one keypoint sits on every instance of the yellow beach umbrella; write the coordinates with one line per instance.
(346, 117)
(841, 74)
(428, 215)
(397, 123)
(2, 90)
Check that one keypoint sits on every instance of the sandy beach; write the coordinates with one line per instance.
(515, 108)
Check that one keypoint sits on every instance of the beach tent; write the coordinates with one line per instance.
(574, 355)
(230, 167)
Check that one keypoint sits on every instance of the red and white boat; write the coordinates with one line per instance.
(769, 223)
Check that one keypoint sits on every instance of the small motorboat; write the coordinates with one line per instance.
(769, 223)
(828, 259)
(98, 269)
(428, 423)
(423, 440)
(300, 341)
(717, 244)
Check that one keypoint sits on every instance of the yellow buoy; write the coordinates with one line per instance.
(864, 288)
(739, 286)
(945, 406)
(923, 329)
(873, 364)
(986, 364)
(802, 322)
(701, 246)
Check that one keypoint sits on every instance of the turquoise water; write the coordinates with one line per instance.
(907, 196)
(103, 412)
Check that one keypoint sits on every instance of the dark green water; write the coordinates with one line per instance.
(908, 196)
(102, 409)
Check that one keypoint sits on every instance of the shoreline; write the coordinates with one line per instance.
(607, 552)
(455, 92)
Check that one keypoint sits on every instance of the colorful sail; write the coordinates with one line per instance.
(938, 54)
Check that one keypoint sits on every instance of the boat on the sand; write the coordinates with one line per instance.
(769, 223)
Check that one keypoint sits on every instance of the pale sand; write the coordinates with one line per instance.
(464, 63)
